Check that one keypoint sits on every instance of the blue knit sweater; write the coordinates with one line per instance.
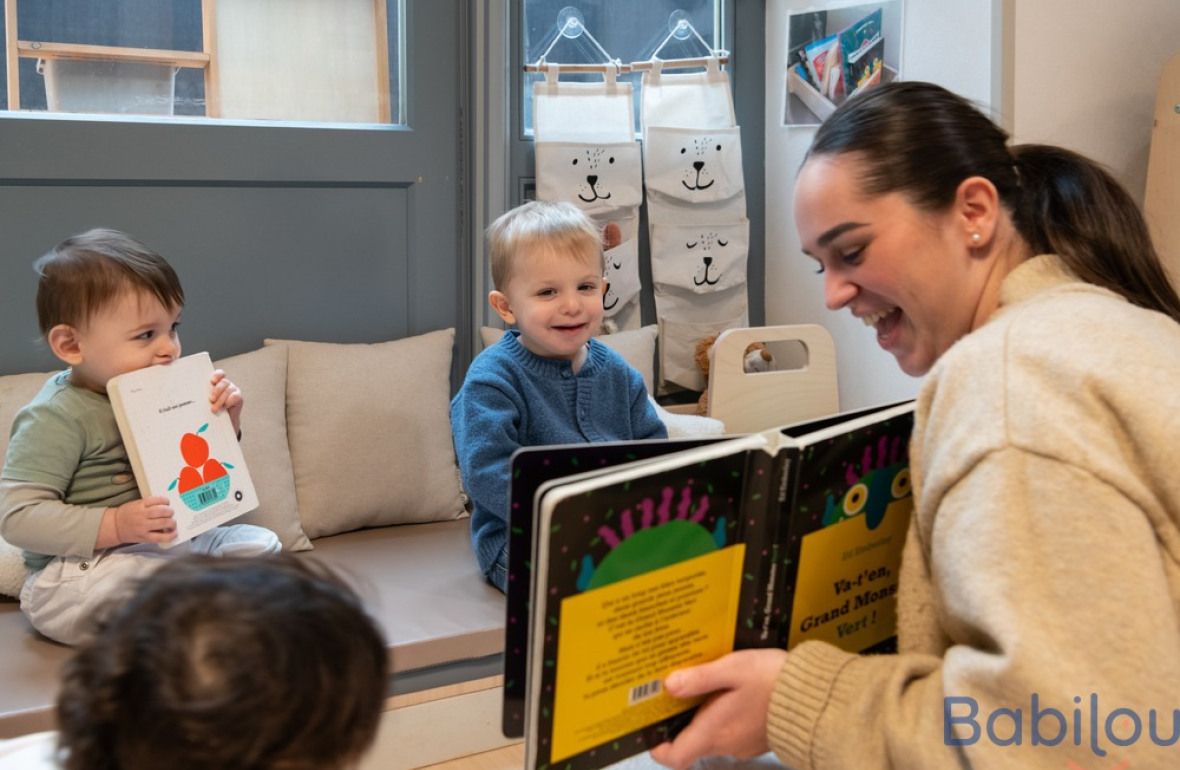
(513, 398)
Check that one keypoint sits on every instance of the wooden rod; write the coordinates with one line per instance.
(381, 19)
(12, 58)
(39, 50)
(638, 66)
(213, 71)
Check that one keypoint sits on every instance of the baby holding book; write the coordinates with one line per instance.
(547, 381)
(107, 305)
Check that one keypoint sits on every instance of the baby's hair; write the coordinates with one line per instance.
(85, 272)
(264, 663)
(561, 227)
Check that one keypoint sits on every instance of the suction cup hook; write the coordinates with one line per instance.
(679, 26)
(570, 22)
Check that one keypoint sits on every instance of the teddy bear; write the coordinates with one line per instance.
(757, 358)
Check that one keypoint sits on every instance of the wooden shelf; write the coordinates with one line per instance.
(37, 50)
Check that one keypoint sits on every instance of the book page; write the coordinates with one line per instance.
(850, 511)
(847, 582)
(532, 469)
(618, 643)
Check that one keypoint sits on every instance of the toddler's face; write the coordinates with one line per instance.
(555, 300)
(132, 332)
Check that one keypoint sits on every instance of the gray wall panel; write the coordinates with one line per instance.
(328, 233)
(316, 263)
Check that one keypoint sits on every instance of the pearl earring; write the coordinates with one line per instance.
(975, 239)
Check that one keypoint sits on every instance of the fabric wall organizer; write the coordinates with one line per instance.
(586, 153)
(696, 205)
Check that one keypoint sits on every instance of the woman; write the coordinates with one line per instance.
(1039, 608)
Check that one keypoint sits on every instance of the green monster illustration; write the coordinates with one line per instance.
(659, 541)
(875, 486)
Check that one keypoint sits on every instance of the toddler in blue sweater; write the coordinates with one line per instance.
(547, 381)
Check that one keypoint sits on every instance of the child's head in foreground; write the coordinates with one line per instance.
(107, 305)
(222, 664)
(547, 268)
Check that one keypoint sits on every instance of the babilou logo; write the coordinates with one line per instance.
(1086, 724)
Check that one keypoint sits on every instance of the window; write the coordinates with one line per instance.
(626, 30)
(335, 61)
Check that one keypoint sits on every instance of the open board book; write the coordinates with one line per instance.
(632, 559)
(178, 448)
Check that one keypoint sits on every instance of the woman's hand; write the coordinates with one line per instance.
(732, 722)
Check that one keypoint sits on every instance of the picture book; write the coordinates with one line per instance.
(862, 53)
(178, 448)
(675, 558)
(532, 467)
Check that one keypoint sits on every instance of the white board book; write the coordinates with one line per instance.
(179, 448)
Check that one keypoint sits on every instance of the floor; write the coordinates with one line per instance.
(512, 758)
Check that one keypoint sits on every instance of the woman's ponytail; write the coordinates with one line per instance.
(1070, 206)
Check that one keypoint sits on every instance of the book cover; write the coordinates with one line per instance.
(178, 448)
(762, 540)
(862, 53)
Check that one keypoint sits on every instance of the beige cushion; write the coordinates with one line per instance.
(16, 390)
(369, 428)
(262, 376)
(637, 346)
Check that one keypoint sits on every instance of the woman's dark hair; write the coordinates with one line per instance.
(226, 664)
(920, 140)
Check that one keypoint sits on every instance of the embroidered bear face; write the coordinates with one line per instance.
(693, 165)
(592, 177)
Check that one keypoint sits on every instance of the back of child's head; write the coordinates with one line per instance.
(226, 664)
(86, 272)
(557, 227)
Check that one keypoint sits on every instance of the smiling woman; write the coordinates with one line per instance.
(1022, 281)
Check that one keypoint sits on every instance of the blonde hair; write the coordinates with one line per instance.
(561, 227)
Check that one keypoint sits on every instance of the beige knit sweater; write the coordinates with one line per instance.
(1043, 559)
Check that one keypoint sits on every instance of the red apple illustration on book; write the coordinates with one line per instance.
(203, 480)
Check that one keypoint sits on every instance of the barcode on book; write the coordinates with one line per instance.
(644, 691)
(207, 496)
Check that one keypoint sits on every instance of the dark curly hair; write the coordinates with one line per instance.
(226, 663)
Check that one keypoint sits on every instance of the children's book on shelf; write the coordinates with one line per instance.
(862, 53)
(178, 448)
(647, 557)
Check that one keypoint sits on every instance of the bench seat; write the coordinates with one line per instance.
(444, 623)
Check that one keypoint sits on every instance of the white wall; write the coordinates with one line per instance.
(946, 42)
(1084, 76)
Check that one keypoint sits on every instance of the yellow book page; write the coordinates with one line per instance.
(846, 587)
(617, 643)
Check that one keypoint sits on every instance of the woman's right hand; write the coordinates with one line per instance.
(732, 722)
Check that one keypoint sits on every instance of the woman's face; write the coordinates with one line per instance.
(904, 271)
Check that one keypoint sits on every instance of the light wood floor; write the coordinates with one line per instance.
(505, 758)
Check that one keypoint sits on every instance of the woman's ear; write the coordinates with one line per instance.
(64, 341)
(977, 210)
(499, 302)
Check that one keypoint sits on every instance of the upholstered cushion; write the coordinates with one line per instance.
(262, 376)
(637, 346)
(16, 390)
(370, 432)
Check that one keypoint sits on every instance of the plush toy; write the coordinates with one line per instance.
(758, 358)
